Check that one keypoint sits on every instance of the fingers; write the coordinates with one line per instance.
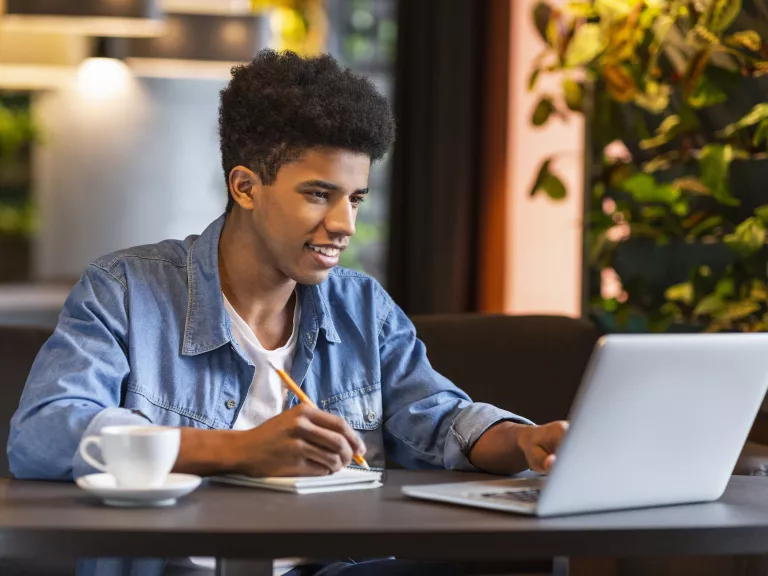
(537, 458)
(541, 444)
(328, 441)
(314, 456)
(552, 434)
(336, 424)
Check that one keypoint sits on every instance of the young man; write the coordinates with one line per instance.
(181, 333)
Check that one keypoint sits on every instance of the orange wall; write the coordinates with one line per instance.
(543, 256)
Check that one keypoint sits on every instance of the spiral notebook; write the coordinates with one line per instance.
(346, 479)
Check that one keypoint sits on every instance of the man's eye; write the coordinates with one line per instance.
(357, 200)
(318, 194)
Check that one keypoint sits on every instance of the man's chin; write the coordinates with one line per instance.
(312, 278)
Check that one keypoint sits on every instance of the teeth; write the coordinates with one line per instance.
(326, 251)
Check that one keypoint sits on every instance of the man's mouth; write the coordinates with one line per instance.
(326, 255)
(327, 250)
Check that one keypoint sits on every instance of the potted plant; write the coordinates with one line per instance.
(676, 207)
(17, 214)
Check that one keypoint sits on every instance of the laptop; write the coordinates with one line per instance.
(657, 420)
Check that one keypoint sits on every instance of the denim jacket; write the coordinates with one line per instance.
(144, 335)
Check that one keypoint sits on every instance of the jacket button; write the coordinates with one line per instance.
(371, 416)
(231, 404)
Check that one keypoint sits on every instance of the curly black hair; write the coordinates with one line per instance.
(281, 104)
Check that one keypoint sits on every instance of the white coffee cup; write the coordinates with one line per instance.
(137, 456)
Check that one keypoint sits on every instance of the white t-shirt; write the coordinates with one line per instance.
(267, 394)
(265, 397)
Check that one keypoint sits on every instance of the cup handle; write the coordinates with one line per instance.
(87, 441)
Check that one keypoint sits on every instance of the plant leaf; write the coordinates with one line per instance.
(748, 39)
(661, 162)
(761, 135)
(756, 115)
(704, 226)
(619, 83)
(581, 9)
(543, 111)
(614, 9)
(726, 287)
(549, 183)
(541, 15)
(644, 188)
(724, 12)
(748, 238)
(574, 94)
(680, 293)
(707, 93)
(655, 99)
(758, 290)
(715, 163)
(691, 184)
(762, 213)
(701, 37)
(587, 43)
(708, 305)
(736, 311)
(666, 131)
(533, 79)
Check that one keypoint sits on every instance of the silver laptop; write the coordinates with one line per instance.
(658, 420)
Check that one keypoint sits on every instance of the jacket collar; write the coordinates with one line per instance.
(208, 326)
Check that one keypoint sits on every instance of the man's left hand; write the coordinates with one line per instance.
(540, 443)
(509, 448)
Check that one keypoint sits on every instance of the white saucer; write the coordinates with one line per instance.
(104, 486)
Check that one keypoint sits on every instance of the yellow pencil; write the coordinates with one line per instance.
(293, 387)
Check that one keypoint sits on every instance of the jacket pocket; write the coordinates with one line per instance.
(164, 411)
(362, 409)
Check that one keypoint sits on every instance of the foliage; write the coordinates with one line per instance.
(677, 155)
(17, 132)
(297, 25)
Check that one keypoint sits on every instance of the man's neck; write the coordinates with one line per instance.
(261, 295)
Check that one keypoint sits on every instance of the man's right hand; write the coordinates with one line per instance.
(302, 441)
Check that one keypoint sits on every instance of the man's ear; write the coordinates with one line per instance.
(243, 184)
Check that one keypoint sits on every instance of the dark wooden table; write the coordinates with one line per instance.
(58, 519)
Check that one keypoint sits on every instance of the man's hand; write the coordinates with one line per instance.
(539, 444)
(302, 441)
(509, 448)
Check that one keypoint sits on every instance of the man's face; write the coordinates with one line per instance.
(307, 217)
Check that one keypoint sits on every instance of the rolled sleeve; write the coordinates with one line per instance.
(429, 423)
(471, 423)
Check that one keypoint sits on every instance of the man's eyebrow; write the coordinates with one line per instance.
(320, 184)
(331, 187)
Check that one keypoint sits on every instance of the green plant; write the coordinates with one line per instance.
(367, 233)
(672, 92)
(17, 132)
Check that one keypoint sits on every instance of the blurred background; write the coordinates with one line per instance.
(603, 159)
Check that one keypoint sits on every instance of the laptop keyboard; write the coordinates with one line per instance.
(527, 496)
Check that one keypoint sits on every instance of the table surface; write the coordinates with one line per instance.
(232, 522)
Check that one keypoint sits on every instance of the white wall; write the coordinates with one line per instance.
(544, 237)
(136, 167)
